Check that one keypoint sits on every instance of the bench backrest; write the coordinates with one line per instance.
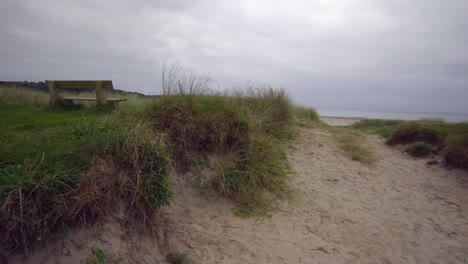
(99, 85)
(60, 84)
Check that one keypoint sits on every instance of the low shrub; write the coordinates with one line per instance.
(414, 132)
(419, 149)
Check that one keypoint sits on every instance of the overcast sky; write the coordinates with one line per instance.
(388, 55)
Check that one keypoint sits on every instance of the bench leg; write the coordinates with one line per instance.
(100, 94)
(54, 94)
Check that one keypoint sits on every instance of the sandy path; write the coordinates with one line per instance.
(397, 211)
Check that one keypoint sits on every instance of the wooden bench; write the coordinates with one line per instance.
(101, 87)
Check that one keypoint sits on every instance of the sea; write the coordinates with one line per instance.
(448, 117)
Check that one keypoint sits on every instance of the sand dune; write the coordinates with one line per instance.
(398, 210)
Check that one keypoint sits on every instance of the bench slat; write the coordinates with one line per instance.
(92, 99)
(80, 98)
(116, 99)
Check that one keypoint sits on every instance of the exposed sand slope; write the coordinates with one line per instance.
(396, 211)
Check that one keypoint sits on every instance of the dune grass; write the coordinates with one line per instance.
(66, 167)
(247, 130)
(450, 140)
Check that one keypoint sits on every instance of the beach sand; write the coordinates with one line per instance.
(398, 210)
(340, 121)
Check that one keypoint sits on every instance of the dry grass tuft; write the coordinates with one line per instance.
(354, 145)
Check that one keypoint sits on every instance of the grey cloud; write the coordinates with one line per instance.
(358, 54)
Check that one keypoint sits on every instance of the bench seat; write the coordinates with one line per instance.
(93, 99)
(80, 98)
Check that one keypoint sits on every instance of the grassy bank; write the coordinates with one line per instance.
(60, 168)
(424, 137)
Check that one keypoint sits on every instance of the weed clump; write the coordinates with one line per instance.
(419, 149)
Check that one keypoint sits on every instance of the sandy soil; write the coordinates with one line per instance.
(340, 121)
(396, 211)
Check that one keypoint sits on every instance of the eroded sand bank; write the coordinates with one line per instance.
(398, 210)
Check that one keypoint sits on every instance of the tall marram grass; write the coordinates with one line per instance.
(247, 129)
